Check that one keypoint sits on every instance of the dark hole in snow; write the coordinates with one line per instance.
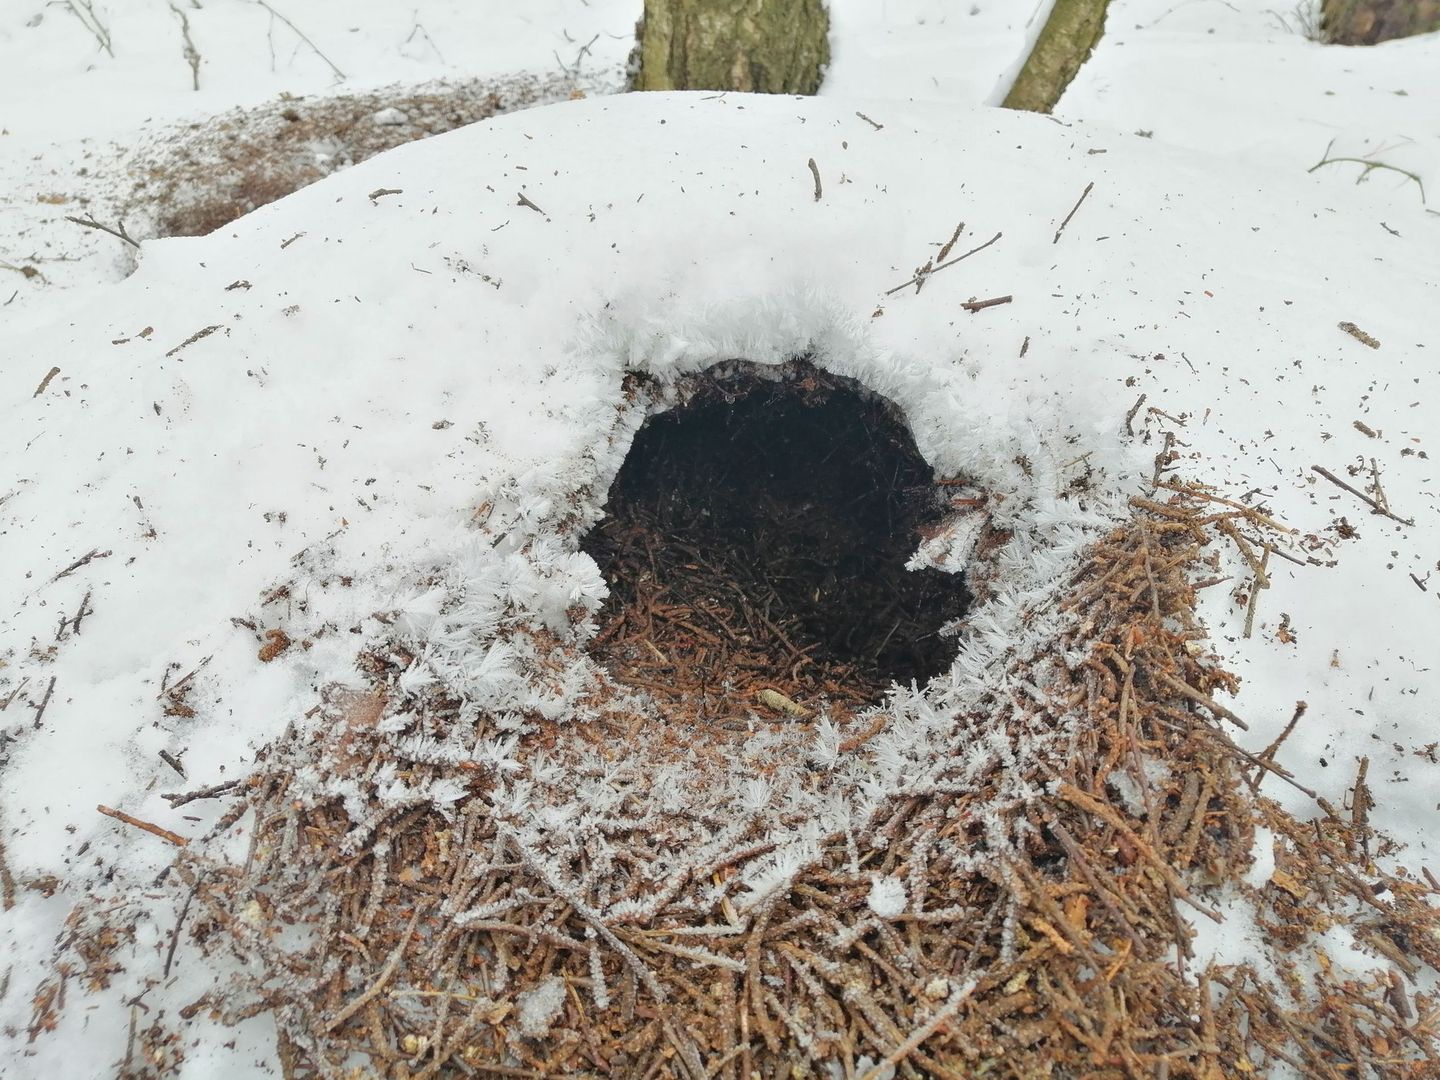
(756, 539)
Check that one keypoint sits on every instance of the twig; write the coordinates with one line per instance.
(1249, 511)
(85, 12)
(1130, 416)
(380, 980)
(1379, 490)
(1186, 690)
(152, 829)
(815, 172)
(1360, 803)
(973, 306)
(45, 381)
(5, 704)
(74, 621)
(179, 922)
(872, 123)
(1261, 581)
(1359, 335)
(946, 247)
(1360, 495)
(202, 333)
(44, 703)
(191, 54)
(526, 202)
(84, 560)
(214, 791)
(942, 266)
(339, 75)
(1071, 214)
(174, 763)
(381, 192)
(923, 1032)
(1268, 754)
(119, 233)
(1369, 167)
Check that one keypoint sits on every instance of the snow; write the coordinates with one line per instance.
(887, 897)
(409, 407)
(539, 1007)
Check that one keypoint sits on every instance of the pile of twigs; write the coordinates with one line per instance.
(445, 943)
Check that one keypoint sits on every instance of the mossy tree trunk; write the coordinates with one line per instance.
(1368, 22)
(764, 46)
(1065, 42)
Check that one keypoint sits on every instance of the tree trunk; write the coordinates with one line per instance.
(1065, 42)
(764, 46)
(1367, 22)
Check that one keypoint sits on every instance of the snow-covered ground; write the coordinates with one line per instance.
(325, 392)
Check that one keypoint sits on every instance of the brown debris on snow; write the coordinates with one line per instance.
(445, 944)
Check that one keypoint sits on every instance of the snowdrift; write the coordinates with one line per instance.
(298, 523)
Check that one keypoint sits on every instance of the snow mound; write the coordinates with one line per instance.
(376, 418)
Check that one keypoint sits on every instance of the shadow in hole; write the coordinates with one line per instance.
(767, 523)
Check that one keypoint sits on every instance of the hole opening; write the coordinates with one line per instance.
(755, 540)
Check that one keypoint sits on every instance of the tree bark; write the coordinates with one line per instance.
(1070, 33)
(1368, 22)
(760, 46)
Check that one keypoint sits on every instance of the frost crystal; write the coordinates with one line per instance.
(539, 1007)
(887, 897)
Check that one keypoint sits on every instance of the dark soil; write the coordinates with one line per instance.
(757, 537)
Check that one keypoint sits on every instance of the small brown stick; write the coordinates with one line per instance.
(1071, 214)
(1359, 335)
(1360, 495)
(174, 763)
(1162, 458)
(84, 560)
(1106, 813)
(45, 381)
(44, 702)
(1262, 581)
(152, 829)
(202, 333)
(1111, 900)
(527, 203)
(1130, 416)
(1186, 690)
(179, 922)
(90, 223)
(973, 306)
(212, 792)
(946, 247)
(815, 172)
(872, 123)
(943, 265)
(380, 192)
(1360, 803)
(1268, 754)
(1379, 491)
(920, 1034)
(378, 985)
(5, 704)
